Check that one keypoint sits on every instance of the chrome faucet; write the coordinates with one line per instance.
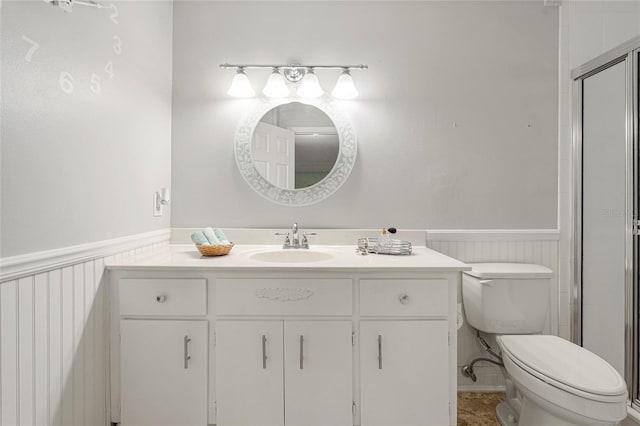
(295, 236)
(293, 241)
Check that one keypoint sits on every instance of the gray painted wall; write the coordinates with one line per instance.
(81, 167)
(457, 118)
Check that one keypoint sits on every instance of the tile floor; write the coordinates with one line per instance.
(478, 409)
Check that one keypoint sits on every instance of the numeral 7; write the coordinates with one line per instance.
(34, 46)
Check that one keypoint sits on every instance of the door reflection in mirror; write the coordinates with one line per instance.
(295, 145)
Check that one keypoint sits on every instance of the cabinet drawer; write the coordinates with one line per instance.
(141, 296)
(404, 297)
(283, 296)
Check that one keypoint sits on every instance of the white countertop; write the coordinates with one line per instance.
(179, 256)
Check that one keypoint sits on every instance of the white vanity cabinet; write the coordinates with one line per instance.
(164, 372)
(160, 351)
(318, 373)
(300, 371)
(340, 346)
(249, 373)
(404, 352)
(403, 369)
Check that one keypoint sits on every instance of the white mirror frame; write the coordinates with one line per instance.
(303, 196)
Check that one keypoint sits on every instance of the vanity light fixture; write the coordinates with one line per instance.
(276, 86)
(310, 86)
(294, 73)
(241, 86)
(345, 89)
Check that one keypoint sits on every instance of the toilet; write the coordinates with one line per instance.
(550, 381)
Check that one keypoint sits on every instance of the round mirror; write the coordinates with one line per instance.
(295, 153)
(295, 145)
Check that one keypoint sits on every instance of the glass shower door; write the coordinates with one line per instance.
(605, 296)
(604, 209)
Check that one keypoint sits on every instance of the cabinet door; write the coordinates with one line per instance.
(404, 373)
(318, 373)
(249, 376)
(163, 372)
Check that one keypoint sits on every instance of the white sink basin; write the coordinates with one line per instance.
(291, 256)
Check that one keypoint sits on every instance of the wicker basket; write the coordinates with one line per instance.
(215, 250)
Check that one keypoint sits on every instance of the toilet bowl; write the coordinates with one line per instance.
(562, 384)
(550, 381)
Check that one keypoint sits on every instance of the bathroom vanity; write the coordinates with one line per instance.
(266, 337)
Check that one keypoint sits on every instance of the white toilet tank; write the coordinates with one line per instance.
(506, 298)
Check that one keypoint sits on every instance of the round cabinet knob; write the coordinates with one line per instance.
(161, 299)
(404, 299)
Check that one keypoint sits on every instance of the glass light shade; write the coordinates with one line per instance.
(310, 86)
(276, 86)
(241, 86)
(345, 89)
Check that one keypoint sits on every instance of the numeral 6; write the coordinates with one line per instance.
(66, 82)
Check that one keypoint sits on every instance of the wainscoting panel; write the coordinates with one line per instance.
(525, 246)
(53, 341)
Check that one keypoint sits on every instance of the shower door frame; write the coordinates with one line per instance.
(627, 52)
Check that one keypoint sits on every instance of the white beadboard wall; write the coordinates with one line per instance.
(526, 246)
(53, 342)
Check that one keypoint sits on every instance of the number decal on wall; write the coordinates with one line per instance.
(95, 84)
(114, 14)
(109, 69)
(117, 45)
(34, 46)
(66, 82)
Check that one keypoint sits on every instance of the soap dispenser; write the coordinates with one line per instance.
(384, 241)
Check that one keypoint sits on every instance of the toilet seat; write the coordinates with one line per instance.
(577, 410)
(575, 396)
(565, 366)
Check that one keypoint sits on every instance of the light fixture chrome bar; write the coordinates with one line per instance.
(309, 85)
(296, 66)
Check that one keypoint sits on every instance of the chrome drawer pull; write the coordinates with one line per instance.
(404, 298)
(162, 298)
(379, 351)
(264, 351)
(301, 352)
(187, 356)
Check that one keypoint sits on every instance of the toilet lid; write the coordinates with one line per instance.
(508, 270)
(564, 362)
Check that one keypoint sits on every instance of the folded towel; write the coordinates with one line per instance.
(199, 238)
(211, 236)
(221, 236)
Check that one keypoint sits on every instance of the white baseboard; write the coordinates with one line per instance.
(474, 388)
(14, 267)
(633, 417)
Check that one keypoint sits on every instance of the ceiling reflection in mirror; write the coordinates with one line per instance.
(295, 145)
